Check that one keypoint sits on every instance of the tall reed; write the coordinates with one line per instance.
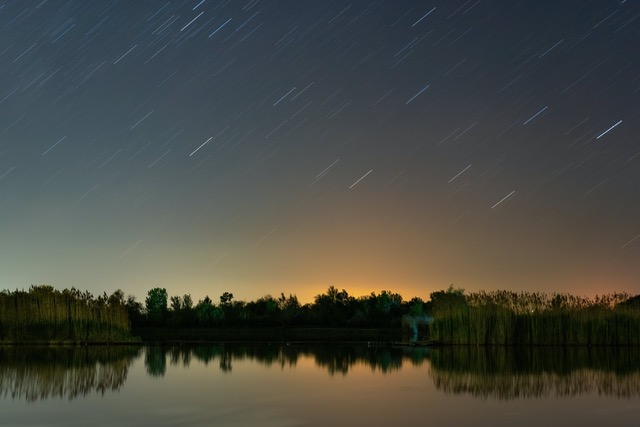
(524, 318)
(46, 314)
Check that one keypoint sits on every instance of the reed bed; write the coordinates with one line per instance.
(44, 314)
(523, 318)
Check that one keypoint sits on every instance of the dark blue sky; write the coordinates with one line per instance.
(267, 146)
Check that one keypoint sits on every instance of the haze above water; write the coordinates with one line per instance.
(299, 385)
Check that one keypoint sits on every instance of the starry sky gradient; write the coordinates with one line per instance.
(267, 146)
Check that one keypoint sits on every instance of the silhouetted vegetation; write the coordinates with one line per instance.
(449, 317)
(43, 314)
(511, 318)
(333, 309)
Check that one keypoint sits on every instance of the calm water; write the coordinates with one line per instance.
(272, 385)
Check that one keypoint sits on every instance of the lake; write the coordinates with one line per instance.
(318, 385)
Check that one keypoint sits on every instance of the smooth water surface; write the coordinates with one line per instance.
(319, 385)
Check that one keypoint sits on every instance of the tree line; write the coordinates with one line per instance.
(333, 308)
(482, 318)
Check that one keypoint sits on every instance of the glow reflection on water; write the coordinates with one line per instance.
(320, 386)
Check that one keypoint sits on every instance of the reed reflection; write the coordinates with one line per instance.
(532, 372)
(38, 373)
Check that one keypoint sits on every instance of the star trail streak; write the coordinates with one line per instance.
(608, 130)
(360, 179)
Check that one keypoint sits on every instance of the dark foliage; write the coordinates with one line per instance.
(511, 318)
(45, 314)
(331, 309)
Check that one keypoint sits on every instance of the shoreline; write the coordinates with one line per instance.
(257, 335)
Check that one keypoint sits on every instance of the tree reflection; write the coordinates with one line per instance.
(485, 372)
(35, 373)
(336, 359)
(341, 359)
(524, 372)
(155, 360)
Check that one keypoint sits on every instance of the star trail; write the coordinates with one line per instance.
(266, 146)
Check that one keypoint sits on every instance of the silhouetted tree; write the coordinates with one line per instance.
(416, 307)
(207, 314)
(187, 302)
(156, 305)
(289, 309)
(226, 298)
(264, 311)
(134, 310)
(334, 307)
(176, 303)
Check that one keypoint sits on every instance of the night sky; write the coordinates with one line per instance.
(265, 146)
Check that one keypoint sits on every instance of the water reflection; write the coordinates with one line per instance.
(336, 359)
(35, 373)
(486, 372)
(510, 373)
(38, 373)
